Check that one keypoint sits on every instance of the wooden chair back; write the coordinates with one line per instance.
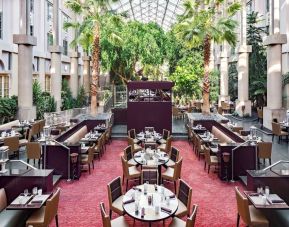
(242, 206)
(169, 144)
(104, 216)
(178, 169)
(149, 175)
(131, 133)
(124, 167)
(13, 144)
(128, 153)
(114, 190)
(33, 150)
(192, 219)
(264, 149)
(51, 207)
(174, 154)
(184, 194)
(276, 128)
(207, 154)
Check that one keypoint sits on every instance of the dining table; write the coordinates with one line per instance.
(153, 158)
(150, 203)
(28, 202)
(261, 201)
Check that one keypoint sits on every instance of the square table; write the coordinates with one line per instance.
(28, 202)
(256, 200)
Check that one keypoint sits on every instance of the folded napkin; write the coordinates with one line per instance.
(277, 201)
(167, 210)
(161, 160)
(128, 201)
(36, 201)
(137, 155)
(172, 196)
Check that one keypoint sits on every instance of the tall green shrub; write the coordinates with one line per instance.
(43, 101)
(81, 100)
(68, 102)
(8, 108)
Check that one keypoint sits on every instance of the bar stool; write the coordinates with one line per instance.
(226, 159)
(73, 161)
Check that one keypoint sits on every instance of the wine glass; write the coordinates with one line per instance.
(26, 192)
(267, 191)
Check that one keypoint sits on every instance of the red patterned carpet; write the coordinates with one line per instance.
(79, 203)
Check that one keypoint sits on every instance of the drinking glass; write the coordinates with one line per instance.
(26, 192)
(35, 191)
(40, 191)
(267, 191)
(162, 189)
(168, 200)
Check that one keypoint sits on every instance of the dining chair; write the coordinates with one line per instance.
(107, 222)
(87, 159)
(184, 195)
(132, 134)
(190, 222)
(276, 131)
(165, 136)
(264, 151)
(129, 156)
(210, 160)
(167, 146)
(115, 196)
(13, 145)
(249, 214)
(108, 134)
(129, 172)
(150, 175)
(174, 157)
(134, 147)
(43, 216)
(189, 129)
(173, 173)
(33, 151)
(260, 115)
(200, 147)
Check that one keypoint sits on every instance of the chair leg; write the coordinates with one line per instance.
(238, 219)
(126, 185)
(56, 220)
(110, 213)
(209, 168)
(92, 164)
(89, 168)
(205, 166)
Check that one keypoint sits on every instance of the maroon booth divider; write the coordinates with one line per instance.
(155, 111)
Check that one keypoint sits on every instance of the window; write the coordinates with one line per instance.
(65, 47)
(47, 83)
(31, 17)
(49, 39)
(1, 25)
(4, 85)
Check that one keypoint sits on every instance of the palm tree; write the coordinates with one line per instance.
(200, 25)
(89, 29)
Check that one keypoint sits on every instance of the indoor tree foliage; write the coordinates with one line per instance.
(91, 12)
(186, 76)
(8, 108)
(233, 81)
(257, 60)
(68, 102)
(202, 24)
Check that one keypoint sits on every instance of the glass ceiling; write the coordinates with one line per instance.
(163, 12)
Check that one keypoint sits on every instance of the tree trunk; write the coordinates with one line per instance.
(95, 71)
(206, 79)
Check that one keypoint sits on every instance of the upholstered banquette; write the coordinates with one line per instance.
(223, 138)
(9, 125)
(76, 137)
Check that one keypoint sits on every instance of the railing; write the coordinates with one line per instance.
(233, 151)
(55, 118)
(262, 171)
(24, 163)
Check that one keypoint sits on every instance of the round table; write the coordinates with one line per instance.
(159, 199)
(149, 138)
(149, 157)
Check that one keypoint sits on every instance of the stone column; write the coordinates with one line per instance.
(86, 74)
(243, 104)
(74, 73)
(26, 110)
(56, 50)
(224, 75)
(274, 43)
